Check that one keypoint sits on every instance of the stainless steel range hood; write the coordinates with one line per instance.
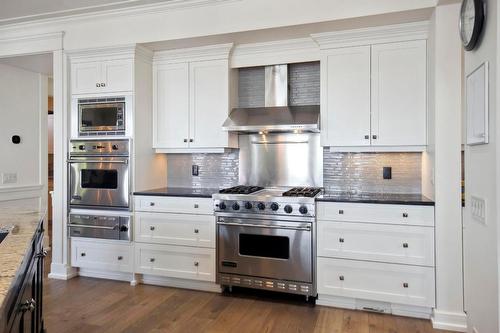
(276, 115)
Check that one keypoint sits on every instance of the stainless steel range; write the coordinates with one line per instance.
(266, 238)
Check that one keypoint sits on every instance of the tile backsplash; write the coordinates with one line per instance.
(342, 172)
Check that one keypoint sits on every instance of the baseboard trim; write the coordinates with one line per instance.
(336, 301)
(108, 275)
(61, 272)
(451, 321)
(180, 283)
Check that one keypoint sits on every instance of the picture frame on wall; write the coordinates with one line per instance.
(476, 87)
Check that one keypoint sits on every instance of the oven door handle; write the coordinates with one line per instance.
(305, 228)
(94, 226)
(99, 161)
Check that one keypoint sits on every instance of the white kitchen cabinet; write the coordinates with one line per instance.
(374, 97)
(399, 94)
(102, 76)
(102, 254)
(191, 100)
(345, 105)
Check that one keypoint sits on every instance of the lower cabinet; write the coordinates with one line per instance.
(102, 254)
(176, 261)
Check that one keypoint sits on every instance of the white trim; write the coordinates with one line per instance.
(21, 188)
(336, 301)
(31, 44)
(411, 311)
(375, 149)
(180, 283)
(451, 321)
(109, 275)
(210, 52)
(126, 51)
(372, 35)
(276, 52)
(9, 193)
(155, 8)
(61, 272)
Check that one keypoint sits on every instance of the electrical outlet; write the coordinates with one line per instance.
(387, 172)
(478, 209)
(9, 178)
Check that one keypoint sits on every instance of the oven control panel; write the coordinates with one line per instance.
(265, 207)
(99, 147)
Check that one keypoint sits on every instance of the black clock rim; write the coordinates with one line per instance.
(478, 25)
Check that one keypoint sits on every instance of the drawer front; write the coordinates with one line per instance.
(398, 244)
(175, 229)
(182, 205)
(376, 213)
(176, 261)
(106, 256)
(410, 285)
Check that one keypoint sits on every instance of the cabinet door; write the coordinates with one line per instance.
(86, 77)
(171, 106)
(118, 75)
(209, 103)
(346, 97)
(399, 101)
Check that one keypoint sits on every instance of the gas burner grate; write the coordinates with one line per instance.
(241, 189)
(309, 192)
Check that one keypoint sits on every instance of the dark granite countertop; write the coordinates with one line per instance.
(180, 192)
(377, 198)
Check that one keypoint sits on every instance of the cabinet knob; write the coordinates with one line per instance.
(196, 263)
(83, 254)
(341, 240)
(405, 214)
(374, 137)
(191, 140)
(185, 140)
(405, 285)
(341, 278)
(151, 204)
(120, 257)
(367, 137)
(103, 84)
(405, 245)
(151, 259)
(152, 228)
(196, 206)
(98, 85)
(341, 211)
(196, 231)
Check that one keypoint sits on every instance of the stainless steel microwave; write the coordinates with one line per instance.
(101, 116)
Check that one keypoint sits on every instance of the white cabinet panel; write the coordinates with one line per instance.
(176, 261)
(97, 254)
(399, 102)
(402, 284)
(376, 213)
(346, 97)
(182, 205)
(175, 229)
(118, 75)
(387, 243)
(85, 77)
(171, 105)
(209, 103)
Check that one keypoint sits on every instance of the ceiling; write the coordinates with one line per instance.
(41, 63)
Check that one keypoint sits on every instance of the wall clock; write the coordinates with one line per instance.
(472, 15)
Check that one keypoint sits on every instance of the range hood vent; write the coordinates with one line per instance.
(276, 115)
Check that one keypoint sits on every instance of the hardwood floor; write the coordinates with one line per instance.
(94, 305)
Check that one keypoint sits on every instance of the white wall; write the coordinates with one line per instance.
(481, 179)
(23, 114)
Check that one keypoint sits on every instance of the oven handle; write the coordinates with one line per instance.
(306, 228)
(94, 226)
(99, 161)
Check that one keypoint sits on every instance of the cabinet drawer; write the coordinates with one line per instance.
(410, 285)
(181, 205)
(176, 261)
(398, 244)
(175, 229)
(376, 213)
(101, 255)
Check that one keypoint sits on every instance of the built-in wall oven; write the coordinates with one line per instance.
(99, 174)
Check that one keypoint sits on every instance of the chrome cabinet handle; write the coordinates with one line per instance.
(405, 214)
(185, 140)
(341, 240)
(191, 140)
(120, 257)
(305, 228)
(367, 137)
(196, 263)
(151, 204)
(103, 84)
(93, 226)
(405, 285)
(405, 245)
(196, 231)
(151, 259)
(98, 161)
(152, 228)
(341, 211)
(374, 137)
(341, 278)
(83, 254)
(196, 206)
(98, 85)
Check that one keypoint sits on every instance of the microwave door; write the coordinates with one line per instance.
(102, 117)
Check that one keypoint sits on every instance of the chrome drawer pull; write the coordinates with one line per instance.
(405, 245)
(341, 278)
(305, 228)
(120, 257)
(151, 259)
(196, 231)
(341, 240)
(83, 254)
(93, 226)
(405, 214)
(196, 206)
(196, 263)
(152, 228)
(341, 211)
(151, 204)
(405, 285)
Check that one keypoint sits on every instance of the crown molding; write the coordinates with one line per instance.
(275, 52)
(372, 35)
(122, 51)
(31, 44)
(211, 52)
(156, 8)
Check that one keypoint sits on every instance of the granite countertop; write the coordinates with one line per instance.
(180, 192)
(377, 198)
(22, 222)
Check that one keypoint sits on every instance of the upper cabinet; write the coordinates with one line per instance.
(374, 95)
(98, 76)
(191, 100)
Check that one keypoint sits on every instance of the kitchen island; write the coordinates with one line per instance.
(21, 267)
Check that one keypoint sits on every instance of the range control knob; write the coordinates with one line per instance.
(288, 209)
(114, 147)
(222, 205)
(81, 147)
(236, 206)
(303, 209)
(248, 205)
(261, 206)
(274, 206)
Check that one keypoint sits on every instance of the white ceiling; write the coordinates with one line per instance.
(40, 63)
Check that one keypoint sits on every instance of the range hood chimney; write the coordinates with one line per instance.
(276, 115)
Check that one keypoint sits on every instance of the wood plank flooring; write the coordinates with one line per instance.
(94, 305)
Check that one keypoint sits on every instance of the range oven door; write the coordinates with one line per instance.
(100, 182)
(97, 226)
(279, 250)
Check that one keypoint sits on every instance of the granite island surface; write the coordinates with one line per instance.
(195, 192)
(22, 222)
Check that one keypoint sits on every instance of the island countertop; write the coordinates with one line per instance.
(22, 221)
(180, 192)
(377, 198)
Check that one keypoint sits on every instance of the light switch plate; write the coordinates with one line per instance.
(478, 209)
(9, 178)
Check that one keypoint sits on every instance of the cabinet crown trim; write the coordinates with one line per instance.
(125, 51)
(210, 52)
(372, 35)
